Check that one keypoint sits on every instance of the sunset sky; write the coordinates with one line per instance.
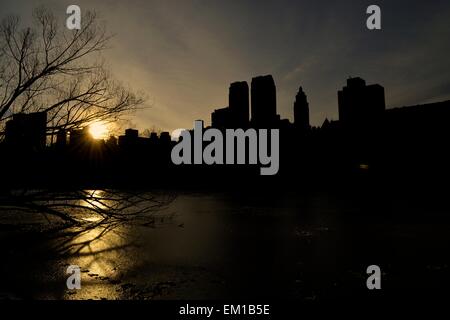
(184, 54)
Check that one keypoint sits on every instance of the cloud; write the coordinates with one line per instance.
(184, 54)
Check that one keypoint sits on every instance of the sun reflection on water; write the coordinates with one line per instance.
(100, 245)
(98, 251)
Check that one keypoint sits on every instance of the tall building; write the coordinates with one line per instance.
(130, 139)
(264, 102)
(301, 111)
(238, 101)
(360, 104)
(221, 118)
(80, 137)
(27, 131)
(153, 137)
(425, 118)
(111, 142)
(61, 138)
(164, 138)
(236, 114)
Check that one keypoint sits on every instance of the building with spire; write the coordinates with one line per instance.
(301, 111)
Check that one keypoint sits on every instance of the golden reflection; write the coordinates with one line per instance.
(97, 243)
(96, 200)
(99, 252)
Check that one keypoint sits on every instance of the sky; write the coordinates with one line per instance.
(184, 54)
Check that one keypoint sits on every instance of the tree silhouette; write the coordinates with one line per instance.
(49, 68)
(72, 214)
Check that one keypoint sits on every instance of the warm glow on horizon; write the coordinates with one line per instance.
(98, 130)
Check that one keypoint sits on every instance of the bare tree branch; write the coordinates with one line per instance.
(51, 69)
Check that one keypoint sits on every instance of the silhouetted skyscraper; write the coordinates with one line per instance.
(130, 139)
(132, 133)
(153, 137)
(111, 142)
(80, 137)
(236, 114)
(27, 131)
(61, 138)
(221, 118)
(165, 138)
(360, 104)
(239, 104)
(301, 111)
(264, 102)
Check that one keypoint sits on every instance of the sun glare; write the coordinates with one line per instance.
(98, 130)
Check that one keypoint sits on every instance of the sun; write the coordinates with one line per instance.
(98, 130)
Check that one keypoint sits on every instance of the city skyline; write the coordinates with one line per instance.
(255, 106)
(198, 151)
(184, 58)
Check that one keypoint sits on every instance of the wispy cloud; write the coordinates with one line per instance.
(184, 54)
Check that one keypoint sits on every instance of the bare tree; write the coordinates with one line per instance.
(48, 68)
